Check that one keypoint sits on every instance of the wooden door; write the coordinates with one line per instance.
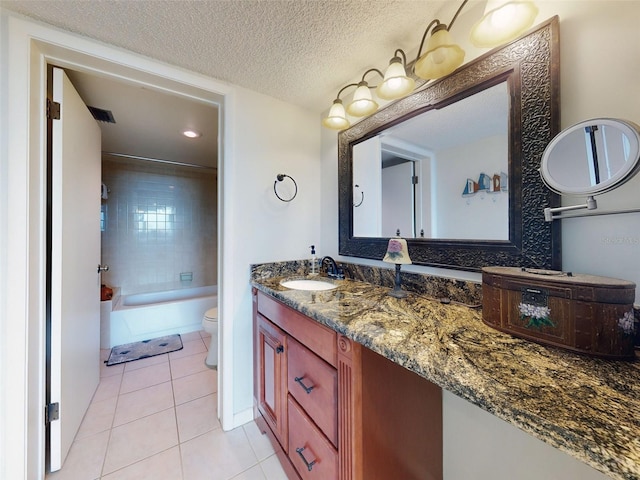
(272, 372)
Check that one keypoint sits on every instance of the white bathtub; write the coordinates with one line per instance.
(150, 315)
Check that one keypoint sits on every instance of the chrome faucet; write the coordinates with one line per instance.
(333, 270)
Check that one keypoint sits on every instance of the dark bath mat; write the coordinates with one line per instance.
(144, 349)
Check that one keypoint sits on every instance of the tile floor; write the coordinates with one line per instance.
(157, 419)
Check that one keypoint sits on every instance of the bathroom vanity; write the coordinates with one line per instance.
(378, 364)
(314, 390)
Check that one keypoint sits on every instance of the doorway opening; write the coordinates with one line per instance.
(164, 193)
(164, 199)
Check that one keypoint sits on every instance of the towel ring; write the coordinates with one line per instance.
(280, 177)
(356, 205)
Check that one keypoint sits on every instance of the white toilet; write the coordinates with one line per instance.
(210, 325)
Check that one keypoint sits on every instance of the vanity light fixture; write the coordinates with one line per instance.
(191, 133)
(396, 83)
(503, 22)
(398, 253)
(442, 56)
(362, 103)
(337, 117)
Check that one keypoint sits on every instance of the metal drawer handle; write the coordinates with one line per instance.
(306, 389)
(308, 464)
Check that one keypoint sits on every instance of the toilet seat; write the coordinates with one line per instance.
(211, 315)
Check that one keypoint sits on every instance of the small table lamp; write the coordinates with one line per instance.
(398, 253)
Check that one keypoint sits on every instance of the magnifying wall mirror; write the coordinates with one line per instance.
(474, 141)
(592, 157)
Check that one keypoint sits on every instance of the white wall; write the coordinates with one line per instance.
(597, 83)
(261, 138)
(599, 52)
(482, 215)
(271, 137)
(479, 446)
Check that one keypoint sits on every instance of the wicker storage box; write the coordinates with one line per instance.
(583, 313)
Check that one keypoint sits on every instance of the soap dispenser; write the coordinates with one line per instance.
(313, 262)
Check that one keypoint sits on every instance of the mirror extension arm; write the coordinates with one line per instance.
(550, 213)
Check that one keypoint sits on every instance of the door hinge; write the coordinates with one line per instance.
(51, 412)
(414, 180)
(53, 110)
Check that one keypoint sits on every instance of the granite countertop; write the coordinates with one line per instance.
(584, 406)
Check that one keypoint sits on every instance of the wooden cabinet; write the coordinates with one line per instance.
(336, 410)
(272, 383)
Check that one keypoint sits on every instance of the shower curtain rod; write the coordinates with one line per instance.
(157, 160)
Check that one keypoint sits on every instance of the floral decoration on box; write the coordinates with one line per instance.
(627, 324)
(538, 315)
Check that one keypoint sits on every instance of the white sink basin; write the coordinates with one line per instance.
(307, 284)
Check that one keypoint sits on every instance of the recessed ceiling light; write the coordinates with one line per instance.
(191, 134)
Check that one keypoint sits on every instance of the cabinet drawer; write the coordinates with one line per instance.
(317, 337)
(314, 384)
(310, 452)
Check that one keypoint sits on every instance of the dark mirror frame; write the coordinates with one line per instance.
(530, 66)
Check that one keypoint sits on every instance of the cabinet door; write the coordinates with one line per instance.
(272, 372)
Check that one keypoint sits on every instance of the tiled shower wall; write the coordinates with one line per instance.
(159, 221)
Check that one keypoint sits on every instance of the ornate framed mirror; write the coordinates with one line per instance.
(480, 196)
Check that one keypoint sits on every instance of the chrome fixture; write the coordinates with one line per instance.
(103, 268)
(589, 158)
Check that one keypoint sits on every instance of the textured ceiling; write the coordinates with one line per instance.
(301, 51)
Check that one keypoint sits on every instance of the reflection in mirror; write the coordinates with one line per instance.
(441, 174)
(526, 71)
(592, 157)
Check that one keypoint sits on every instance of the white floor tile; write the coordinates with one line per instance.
(273, 469)
(140, 439)
(218, 455)
(259, 442)
(189, 348)
(181, 367)
(84, 460)
(99, 417)
(145, 377)
(197, 417)
(133, 431)
(108, 387)
(194, 386)
(162, 466)
(140, 403)
(112, 370)
(254, 473)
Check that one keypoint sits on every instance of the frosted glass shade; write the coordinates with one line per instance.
(441, 57)
(502, 23)
(362, 103)
(397, 252)
(337, 117)
(396, 84)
